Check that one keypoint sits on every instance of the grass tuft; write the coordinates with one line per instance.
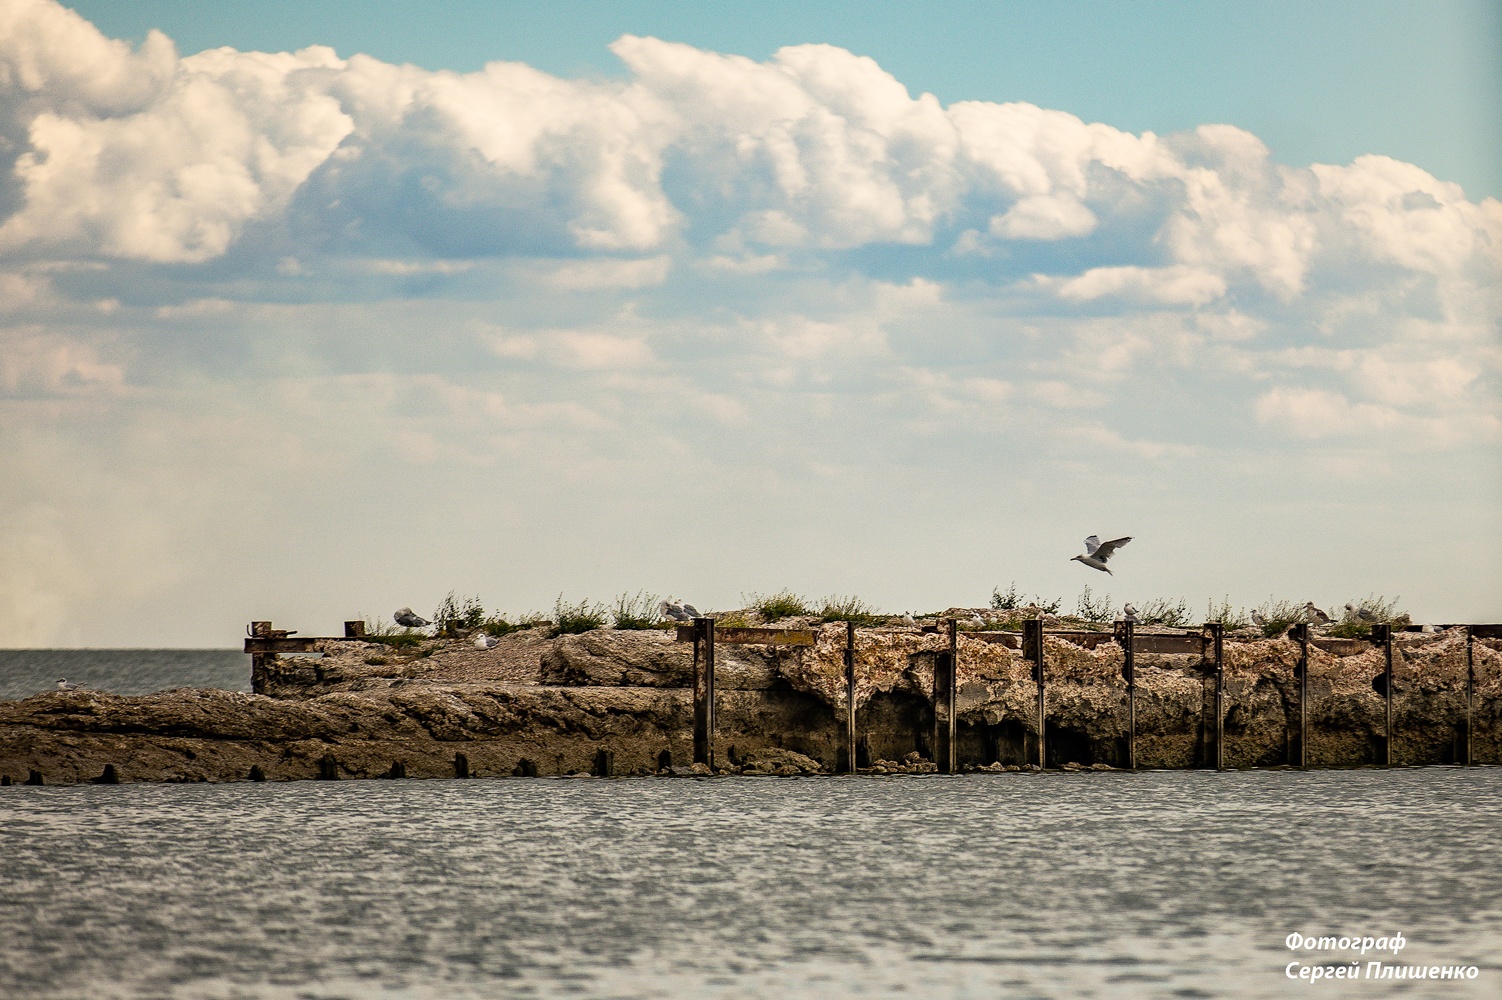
(1093, 609)
(1012, 601)
(1161, 611)
(1351, 626)
(572, 619)
(1231, 618)
(772, 607)
(638, 612)
(848, 609)
(1278, 615)
(455, 616)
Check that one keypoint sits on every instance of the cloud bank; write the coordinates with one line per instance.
(222, 268)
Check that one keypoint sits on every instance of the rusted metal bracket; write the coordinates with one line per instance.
(704, 640)
(1300, 634)
(1126, 636)
(752, 636)
(1214, 633)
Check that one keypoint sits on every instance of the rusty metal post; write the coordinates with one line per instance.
(1126, 636)
(1217, 633)
(704, 691)
(1382, 634)
(354, 629)
(948, 763)
(1032, 649)
(1300, 633)
(1470, 689)
(260, 663)
(850, 697)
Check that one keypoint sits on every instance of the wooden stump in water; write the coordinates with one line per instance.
(4, 781)
(328, 768)
(398, 770)
(604, 764)
(461, 766)
(256, 774)
(525, 769)
(34, 777)
(109, 777)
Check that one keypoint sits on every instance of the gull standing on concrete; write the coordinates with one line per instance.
(673, 611)
(63, 684)
(1097, 552)
(1315, 616)
(407, 618)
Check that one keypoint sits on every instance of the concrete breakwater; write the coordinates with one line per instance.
(610, 702)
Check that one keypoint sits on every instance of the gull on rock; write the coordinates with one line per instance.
(1097, 552)
(677, 612)
(63, 684)
(1257, 618)
(485, 641)
(907, 618)
(407, 618)
(1360, 614)
(1315, 616)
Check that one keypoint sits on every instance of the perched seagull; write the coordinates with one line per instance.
(409, 619)
(1360, 614)
(673, 611)
(1129, 613)
(976, 621)
(63, 684)
(907, 618)
(1097, 552)
(1257, 618)
(1314, 615)
(692, 611)
(485, 641)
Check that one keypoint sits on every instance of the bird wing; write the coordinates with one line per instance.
(1104, 549)
(1091, 544)
(693, 612)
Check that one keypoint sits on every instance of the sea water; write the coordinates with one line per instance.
(1059, 885)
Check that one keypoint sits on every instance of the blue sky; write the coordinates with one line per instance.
(1318, 82)
(900, 301)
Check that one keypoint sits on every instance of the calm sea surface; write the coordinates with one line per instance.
(1087, 885)
(123, 671)
(1148, 885)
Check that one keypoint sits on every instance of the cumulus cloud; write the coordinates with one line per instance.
(229, 267)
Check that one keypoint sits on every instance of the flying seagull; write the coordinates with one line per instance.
(407, 618)
(63, 684)
(1360, 614)
(1097, 552)
(1314, 615)
(485, 641)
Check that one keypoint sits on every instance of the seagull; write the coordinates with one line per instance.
(485, 641)
(1097, 552)
(976, 621)
(1129, 613)
(1360, 614)
(673, 611)
(1314, 615)
(1257, 618)
(907, 618)
(408, 619)
(63, 684)
(692, 611)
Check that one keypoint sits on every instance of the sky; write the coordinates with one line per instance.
(309, 311)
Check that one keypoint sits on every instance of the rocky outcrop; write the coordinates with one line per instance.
(608, 702)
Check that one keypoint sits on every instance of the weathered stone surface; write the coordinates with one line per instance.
(536, 705)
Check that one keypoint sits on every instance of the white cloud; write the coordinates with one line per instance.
(244, 293)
